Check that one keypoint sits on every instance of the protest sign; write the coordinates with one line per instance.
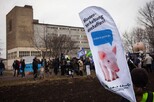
(107, 51)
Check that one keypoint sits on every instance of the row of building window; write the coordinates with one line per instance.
(66, 28)
(79, 37)
(13, 55)
(27, 53)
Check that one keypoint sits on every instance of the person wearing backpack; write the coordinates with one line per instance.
(140, 80)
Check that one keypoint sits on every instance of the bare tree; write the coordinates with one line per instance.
(58, 44)
(128, 41)
(1, 47)
(132, 37)
(146, 15)
(52, 44)
(150, 38)
(139, 34)
(40, 41)
(146, 18)
(0, 51)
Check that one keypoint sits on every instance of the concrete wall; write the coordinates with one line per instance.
(19, 27)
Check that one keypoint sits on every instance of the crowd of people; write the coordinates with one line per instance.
(64, 66)
(139, 64)
(140, 60)
(71, 66)
(19, 67)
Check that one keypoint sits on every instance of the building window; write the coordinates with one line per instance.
(63, 28)
(12, 55)
(24, 53)
(82, 30)
(74, 29)
(8, 56)
(53, 27)
(35, 53)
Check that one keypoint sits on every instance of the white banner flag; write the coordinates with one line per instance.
(107, 50)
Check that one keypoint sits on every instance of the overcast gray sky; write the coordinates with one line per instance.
(66, 12)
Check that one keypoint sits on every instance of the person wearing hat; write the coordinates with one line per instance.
(140, 80)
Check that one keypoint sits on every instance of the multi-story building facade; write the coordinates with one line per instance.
(21, 28)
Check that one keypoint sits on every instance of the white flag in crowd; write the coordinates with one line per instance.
(81, 53)
(107, 50)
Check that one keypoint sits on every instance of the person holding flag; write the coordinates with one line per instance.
(107, 51)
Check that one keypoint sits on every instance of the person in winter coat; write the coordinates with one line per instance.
(23, 65)
(148, 60)
(35, 68)
(16, 69)
(80, 62)
(2, 67)
(140, 80)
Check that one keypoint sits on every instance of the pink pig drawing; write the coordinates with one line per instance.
(108, 63)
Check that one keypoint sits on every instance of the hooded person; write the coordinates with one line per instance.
(140, 80)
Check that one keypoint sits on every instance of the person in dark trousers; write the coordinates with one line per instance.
(148, 60)
(140, 80)
(63, 67)
(44, 65)
(56, 66)
(50, 66)
(2, 67)
(23, 65)
(75, 66)
(16, 68)
(35, 67)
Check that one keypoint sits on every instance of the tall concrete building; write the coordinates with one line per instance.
(21, 29)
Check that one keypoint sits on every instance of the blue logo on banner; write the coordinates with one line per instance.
(102, 37)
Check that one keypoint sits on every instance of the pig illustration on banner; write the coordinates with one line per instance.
(107, 51)
(108, 64)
